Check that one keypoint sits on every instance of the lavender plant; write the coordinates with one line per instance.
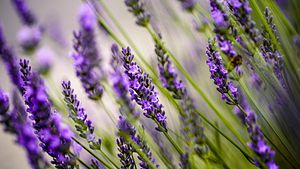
(246, 51)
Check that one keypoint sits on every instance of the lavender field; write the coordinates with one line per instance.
(129, 84)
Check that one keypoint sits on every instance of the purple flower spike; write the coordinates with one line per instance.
(121, 84)
(136, 7)
(29, 37)
(45, 58)
(220, 75)
(192, 127)
(24, 12)
(17, 123)
(83, 125)
(142, 91)
(10, 60)
(86, 55)
(54, 135)
(242, 11)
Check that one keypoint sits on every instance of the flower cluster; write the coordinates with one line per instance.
(54, 135)
(223, 29)
(220, 75)
(83, 125)
(24, 12)
(136, 7)
(86, 56)
(242, 11)
(142, 90)
(120, 84)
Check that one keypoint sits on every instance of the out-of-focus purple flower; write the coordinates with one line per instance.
(242, 11)
(142, 91)
(11, 61)
(258, 143)
(45, 58)
(87, 17)
(83, 125)
(54, 135)
(184, 161)
(188, 5)
(5, 116)
(192, 128)
(126, 129)
(136, 7)
(29, 37)
(24, 12)
(268, 50)
(121, 85)
(86, 55)
(17, 123)
(220, 75)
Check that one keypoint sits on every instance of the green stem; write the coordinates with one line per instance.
(84, 164)
(109, 159)
(92, 153)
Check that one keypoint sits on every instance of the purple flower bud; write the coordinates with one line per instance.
(136, 7)
(87, 17)
(45, 60)
(188, 5)
(29, 37)
(4, 102)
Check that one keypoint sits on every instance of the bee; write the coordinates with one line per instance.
(234, 62)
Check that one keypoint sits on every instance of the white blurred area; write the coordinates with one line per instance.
(57, 14)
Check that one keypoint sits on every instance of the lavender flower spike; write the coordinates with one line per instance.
(54, 135)
(24, 12)
(83, 125)
(220, 75)
(258, 143)
(242, 11)
(25, 134)
(120, 85)
(142, 91)
(30, 34)
(86, 56)
(192, 128)
(10, 60)
(136, 7)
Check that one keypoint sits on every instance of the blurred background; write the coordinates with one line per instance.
(59, 19)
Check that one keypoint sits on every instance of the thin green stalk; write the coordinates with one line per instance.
(84, 164)
(109, 159)
(92, 153)
(178, 149)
